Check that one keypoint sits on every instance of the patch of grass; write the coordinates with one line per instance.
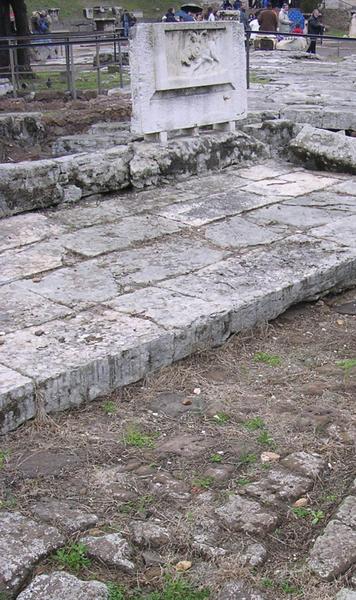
(116, 592)
(273, 360)
(203, 482)
(138, 506)
(265, 439)
(221, 418)
(8, 502)
(305, 513)
(289, 588)
(248, 459)
(73, 557)
(109, 408)
(254, 424)
(243, 481)
(266, 582)
(3, 458)
(136, 439)
(347, 365)
(175, 589)
(216, 458)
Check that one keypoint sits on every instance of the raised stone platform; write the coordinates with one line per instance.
(96, 296)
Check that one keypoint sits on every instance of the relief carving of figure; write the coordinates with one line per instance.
(200, 51)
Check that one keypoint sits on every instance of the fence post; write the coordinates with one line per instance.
(73, 90)
(12, 67)
(120, 64)
(98, 65)
(248, 34)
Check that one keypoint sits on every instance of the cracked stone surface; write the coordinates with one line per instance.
(22, 543)
(67, 517)
(334, 551)
(116, 287)
(279, 485)
(149, 534)
(59, 585)
(113, 549)
(237, 590)
(241, 514)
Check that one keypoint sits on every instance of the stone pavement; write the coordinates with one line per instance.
(96, 296)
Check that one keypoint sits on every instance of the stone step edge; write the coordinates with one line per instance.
(31, 185)
(26, 398)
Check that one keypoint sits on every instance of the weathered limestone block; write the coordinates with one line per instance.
(190, 156)
(325, 149)
(22, 543)
(112, 549)
(310, 465)
(325, 118)
(65, 516)
(279, 485)
(28, 185)
(22, 126)
(187, 75)
(346, 594)
(17, 399)
(72, 144)
(149, 534)
(333, 552)
(238, 590)
(346, 512)
(96, 172)
(62, 586)
(242, 514)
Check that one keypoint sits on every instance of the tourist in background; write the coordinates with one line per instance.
(210, 15)
(169, 16)
(267, 19)
(315, 27)
(284, 23)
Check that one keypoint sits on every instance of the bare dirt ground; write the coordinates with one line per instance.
(61, 116)
(175, 446)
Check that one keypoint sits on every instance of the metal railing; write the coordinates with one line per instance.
(65, 45)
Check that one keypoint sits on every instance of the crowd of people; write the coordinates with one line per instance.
(265, 17)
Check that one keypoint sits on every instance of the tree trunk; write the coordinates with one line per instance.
(22, 29)
(5, 29)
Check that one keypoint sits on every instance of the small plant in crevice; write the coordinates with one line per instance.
(248, 459)
(73, 557)
(273, 360)
(216, 458)
(137, 439)
(109, 408)
(254, 424)
(204, 482)
(265, 439)
(221, 418)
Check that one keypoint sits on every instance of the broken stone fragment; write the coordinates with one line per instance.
(310, 465)
(145, 533)
(242, 514)
(23, 542)
(236, 590)
(67, 517)
(334, 551)
(279, 485)
(346, 594)
(253, 555)
(112, 549)
(62, 586)
(346, 512)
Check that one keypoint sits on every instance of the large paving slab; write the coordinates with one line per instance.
(94, 297)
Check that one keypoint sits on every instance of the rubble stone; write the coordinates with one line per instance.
(334, 551)
(63, 515)
(112, 549)
(148, 533)
(346, 512)
(279, 485)
(242, 514)
(23, 542)
(310, 465)
(236, 590)
(62, 586)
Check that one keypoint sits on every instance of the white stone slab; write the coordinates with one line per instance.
(17, 399)
(292, 184)
(184, 75)
(30, 260)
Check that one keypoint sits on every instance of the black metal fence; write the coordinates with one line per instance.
(71, 67)
(66, 60)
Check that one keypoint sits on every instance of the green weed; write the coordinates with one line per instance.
(269, 359)
(116, 592)
(203, 482)
(254, 424)
(135, 438)
(109, 408)
(221, 418)
(289, 588)
(243, 481)
(175, 589)
(317, 516)
(248, 459)
(347, 365)
(265, 439)
(216, 458)
(303, 513)
(3, 458)
(267, 583)
(73, 557)
(138, 506)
